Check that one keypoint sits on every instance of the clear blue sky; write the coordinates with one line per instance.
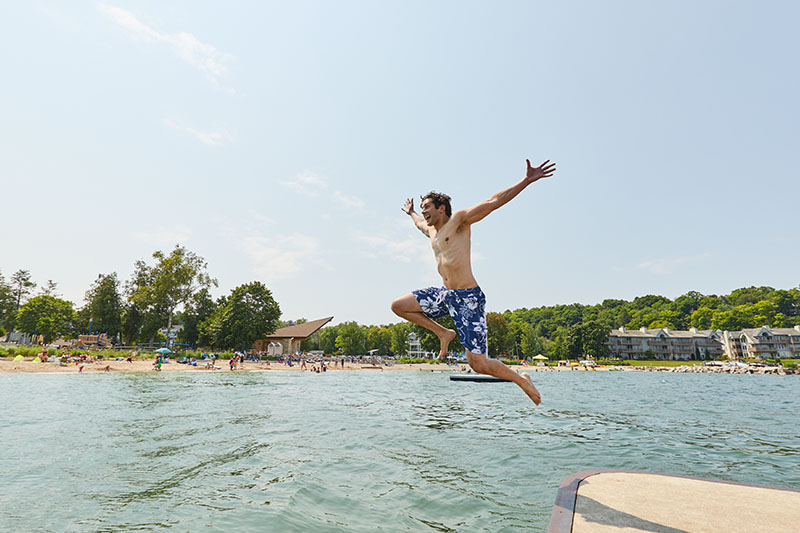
(278, 140)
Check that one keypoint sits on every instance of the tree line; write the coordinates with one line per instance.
(173, 289)
(569, 330)
(575, 330)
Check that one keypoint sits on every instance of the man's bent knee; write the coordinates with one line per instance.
(406, 304)
(397, 306)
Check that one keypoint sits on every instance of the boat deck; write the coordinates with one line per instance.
(477, 378)
(613, 501)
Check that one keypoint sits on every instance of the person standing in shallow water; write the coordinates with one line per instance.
(461, 297)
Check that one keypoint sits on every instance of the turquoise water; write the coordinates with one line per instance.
(365, 451)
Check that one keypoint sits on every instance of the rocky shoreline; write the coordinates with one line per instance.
(697, 369)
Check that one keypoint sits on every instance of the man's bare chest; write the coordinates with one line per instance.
(449, 242)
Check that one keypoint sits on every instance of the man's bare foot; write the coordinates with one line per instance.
(529, 389)
(445, 339)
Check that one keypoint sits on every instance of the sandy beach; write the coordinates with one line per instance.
(7, 365)
(146, 365)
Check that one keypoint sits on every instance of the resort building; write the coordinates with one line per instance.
(665, 344)
(762, 343)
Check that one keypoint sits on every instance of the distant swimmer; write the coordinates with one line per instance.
(461, 297)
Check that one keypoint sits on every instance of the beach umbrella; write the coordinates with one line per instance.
(539, 357)
(164, 350)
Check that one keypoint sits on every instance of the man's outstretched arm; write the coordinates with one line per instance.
(533, 174)
(408, 209)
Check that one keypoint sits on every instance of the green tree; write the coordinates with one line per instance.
(730, 320)
(763, 312)
(380, 339)
(351, 339)
(683, 307)
(573, 344)
(49, 289)
(784, 302)
(793, 311)
(498, 335)
(151, 323)
(650, 300)
(623, 318)
(530, 344)
(209, 331)
(670, 319)
(132, 319)
(159, 289)
(249, 313)
(594, 337)
(643, 318)
(701, 318)
(327, 339)
(104, 305)
(749, 295)
(400, 333)
(556, 349)
(22, 284)
(199, 309)
(45, 315)
(712, 301)
(135, 313)
(515, 330)
(8, 307)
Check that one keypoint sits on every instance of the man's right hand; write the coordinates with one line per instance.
(409, 207)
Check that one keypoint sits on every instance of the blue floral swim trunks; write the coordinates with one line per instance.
(466, 306)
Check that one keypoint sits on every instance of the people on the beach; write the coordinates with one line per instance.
(460, 296)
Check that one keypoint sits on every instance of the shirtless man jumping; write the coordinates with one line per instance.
(461, 297)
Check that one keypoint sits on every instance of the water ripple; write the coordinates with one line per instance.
(395, 451)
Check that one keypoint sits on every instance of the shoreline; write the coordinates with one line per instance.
(8, 366)
(146, 366)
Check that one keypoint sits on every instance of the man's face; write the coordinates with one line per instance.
(430, 213)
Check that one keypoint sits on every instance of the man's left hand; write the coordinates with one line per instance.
(545, 170)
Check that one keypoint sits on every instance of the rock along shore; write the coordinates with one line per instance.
(698, 369)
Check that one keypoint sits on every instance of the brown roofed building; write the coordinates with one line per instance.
(290, 337)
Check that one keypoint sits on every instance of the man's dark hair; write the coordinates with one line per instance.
(438, 200)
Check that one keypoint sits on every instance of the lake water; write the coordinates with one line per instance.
(365, 451)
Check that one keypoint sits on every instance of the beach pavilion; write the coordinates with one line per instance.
(289, 338)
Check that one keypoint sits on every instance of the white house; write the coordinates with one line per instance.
(415, 347)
